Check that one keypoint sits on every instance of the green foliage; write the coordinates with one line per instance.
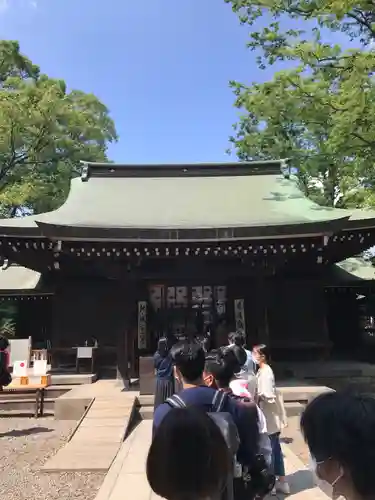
(7, 327)
(319, 113)
(8, 313)
(44, 133)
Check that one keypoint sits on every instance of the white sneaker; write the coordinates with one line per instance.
(273, 491)
(283, 487)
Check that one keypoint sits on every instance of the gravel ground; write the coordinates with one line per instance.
(25, 445)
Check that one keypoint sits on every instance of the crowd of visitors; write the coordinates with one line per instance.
(217, 423)
(222, 383)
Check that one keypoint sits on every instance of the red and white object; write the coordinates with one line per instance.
(20, 369)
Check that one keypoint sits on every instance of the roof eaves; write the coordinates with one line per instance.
(184, 235)
(271, 167)
(20, 231)
(365, 223)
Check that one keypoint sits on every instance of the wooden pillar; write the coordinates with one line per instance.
(124, 331)
(263, 333)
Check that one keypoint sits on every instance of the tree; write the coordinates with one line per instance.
(44, 133)
(320, 112)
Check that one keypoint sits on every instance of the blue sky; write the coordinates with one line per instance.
(161, 66)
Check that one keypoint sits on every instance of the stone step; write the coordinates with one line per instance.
(146, 412)
(22, 413)
(27, 404)
(73, 378)
(302, 393)
(51, 392)
(294, 409)
(146, 400)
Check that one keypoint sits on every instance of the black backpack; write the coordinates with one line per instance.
(228, 429)
(259, 479)
(223, 420)
(250, 482)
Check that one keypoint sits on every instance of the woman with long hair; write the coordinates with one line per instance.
(163, 365)
(272, 406)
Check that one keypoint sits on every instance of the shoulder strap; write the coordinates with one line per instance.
(218, 401)
(175, 401)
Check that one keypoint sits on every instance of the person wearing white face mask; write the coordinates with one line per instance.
(339, 429)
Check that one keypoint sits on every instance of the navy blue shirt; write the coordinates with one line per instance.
(163, 366)
(202, 397)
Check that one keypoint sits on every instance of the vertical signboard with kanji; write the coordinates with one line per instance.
(239, 315)
(142, 324)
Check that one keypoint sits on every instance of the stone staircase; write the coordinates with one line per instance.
(338, 375)
(296, 396)
(145, 407)
(15, 404)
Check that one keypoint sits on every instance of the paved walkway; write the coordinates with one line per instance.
(127, 473)
(101, 433)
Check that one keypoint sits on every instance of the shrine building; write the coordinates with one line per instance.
(137, 251)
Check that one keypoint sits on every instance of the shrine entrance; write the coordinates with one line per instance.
(185, 311)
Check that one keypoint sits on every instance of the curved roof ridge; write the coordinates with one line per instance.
(108, 170)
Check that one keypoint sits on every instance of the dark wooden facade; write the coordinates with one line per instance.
(99, 274)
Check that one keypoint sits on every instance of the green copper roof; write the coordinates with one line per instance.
(18, 278)
(189, 202)
(186, 197)
(357, 268)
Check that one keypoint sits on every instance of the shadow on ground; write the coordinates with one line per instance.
(25, 432)
(286, 440)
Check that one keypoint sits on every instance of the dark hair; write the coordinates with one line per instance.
(237, 338)
(222, 364)
(189, 358)
(341, 426)
(263, 351)
(4, 342)
(163, 347)
(239, 353)
(188, 457)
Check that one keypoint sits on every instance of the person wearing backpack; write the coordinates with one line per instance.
(188, 457)
(221, 367)
(189, 360)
